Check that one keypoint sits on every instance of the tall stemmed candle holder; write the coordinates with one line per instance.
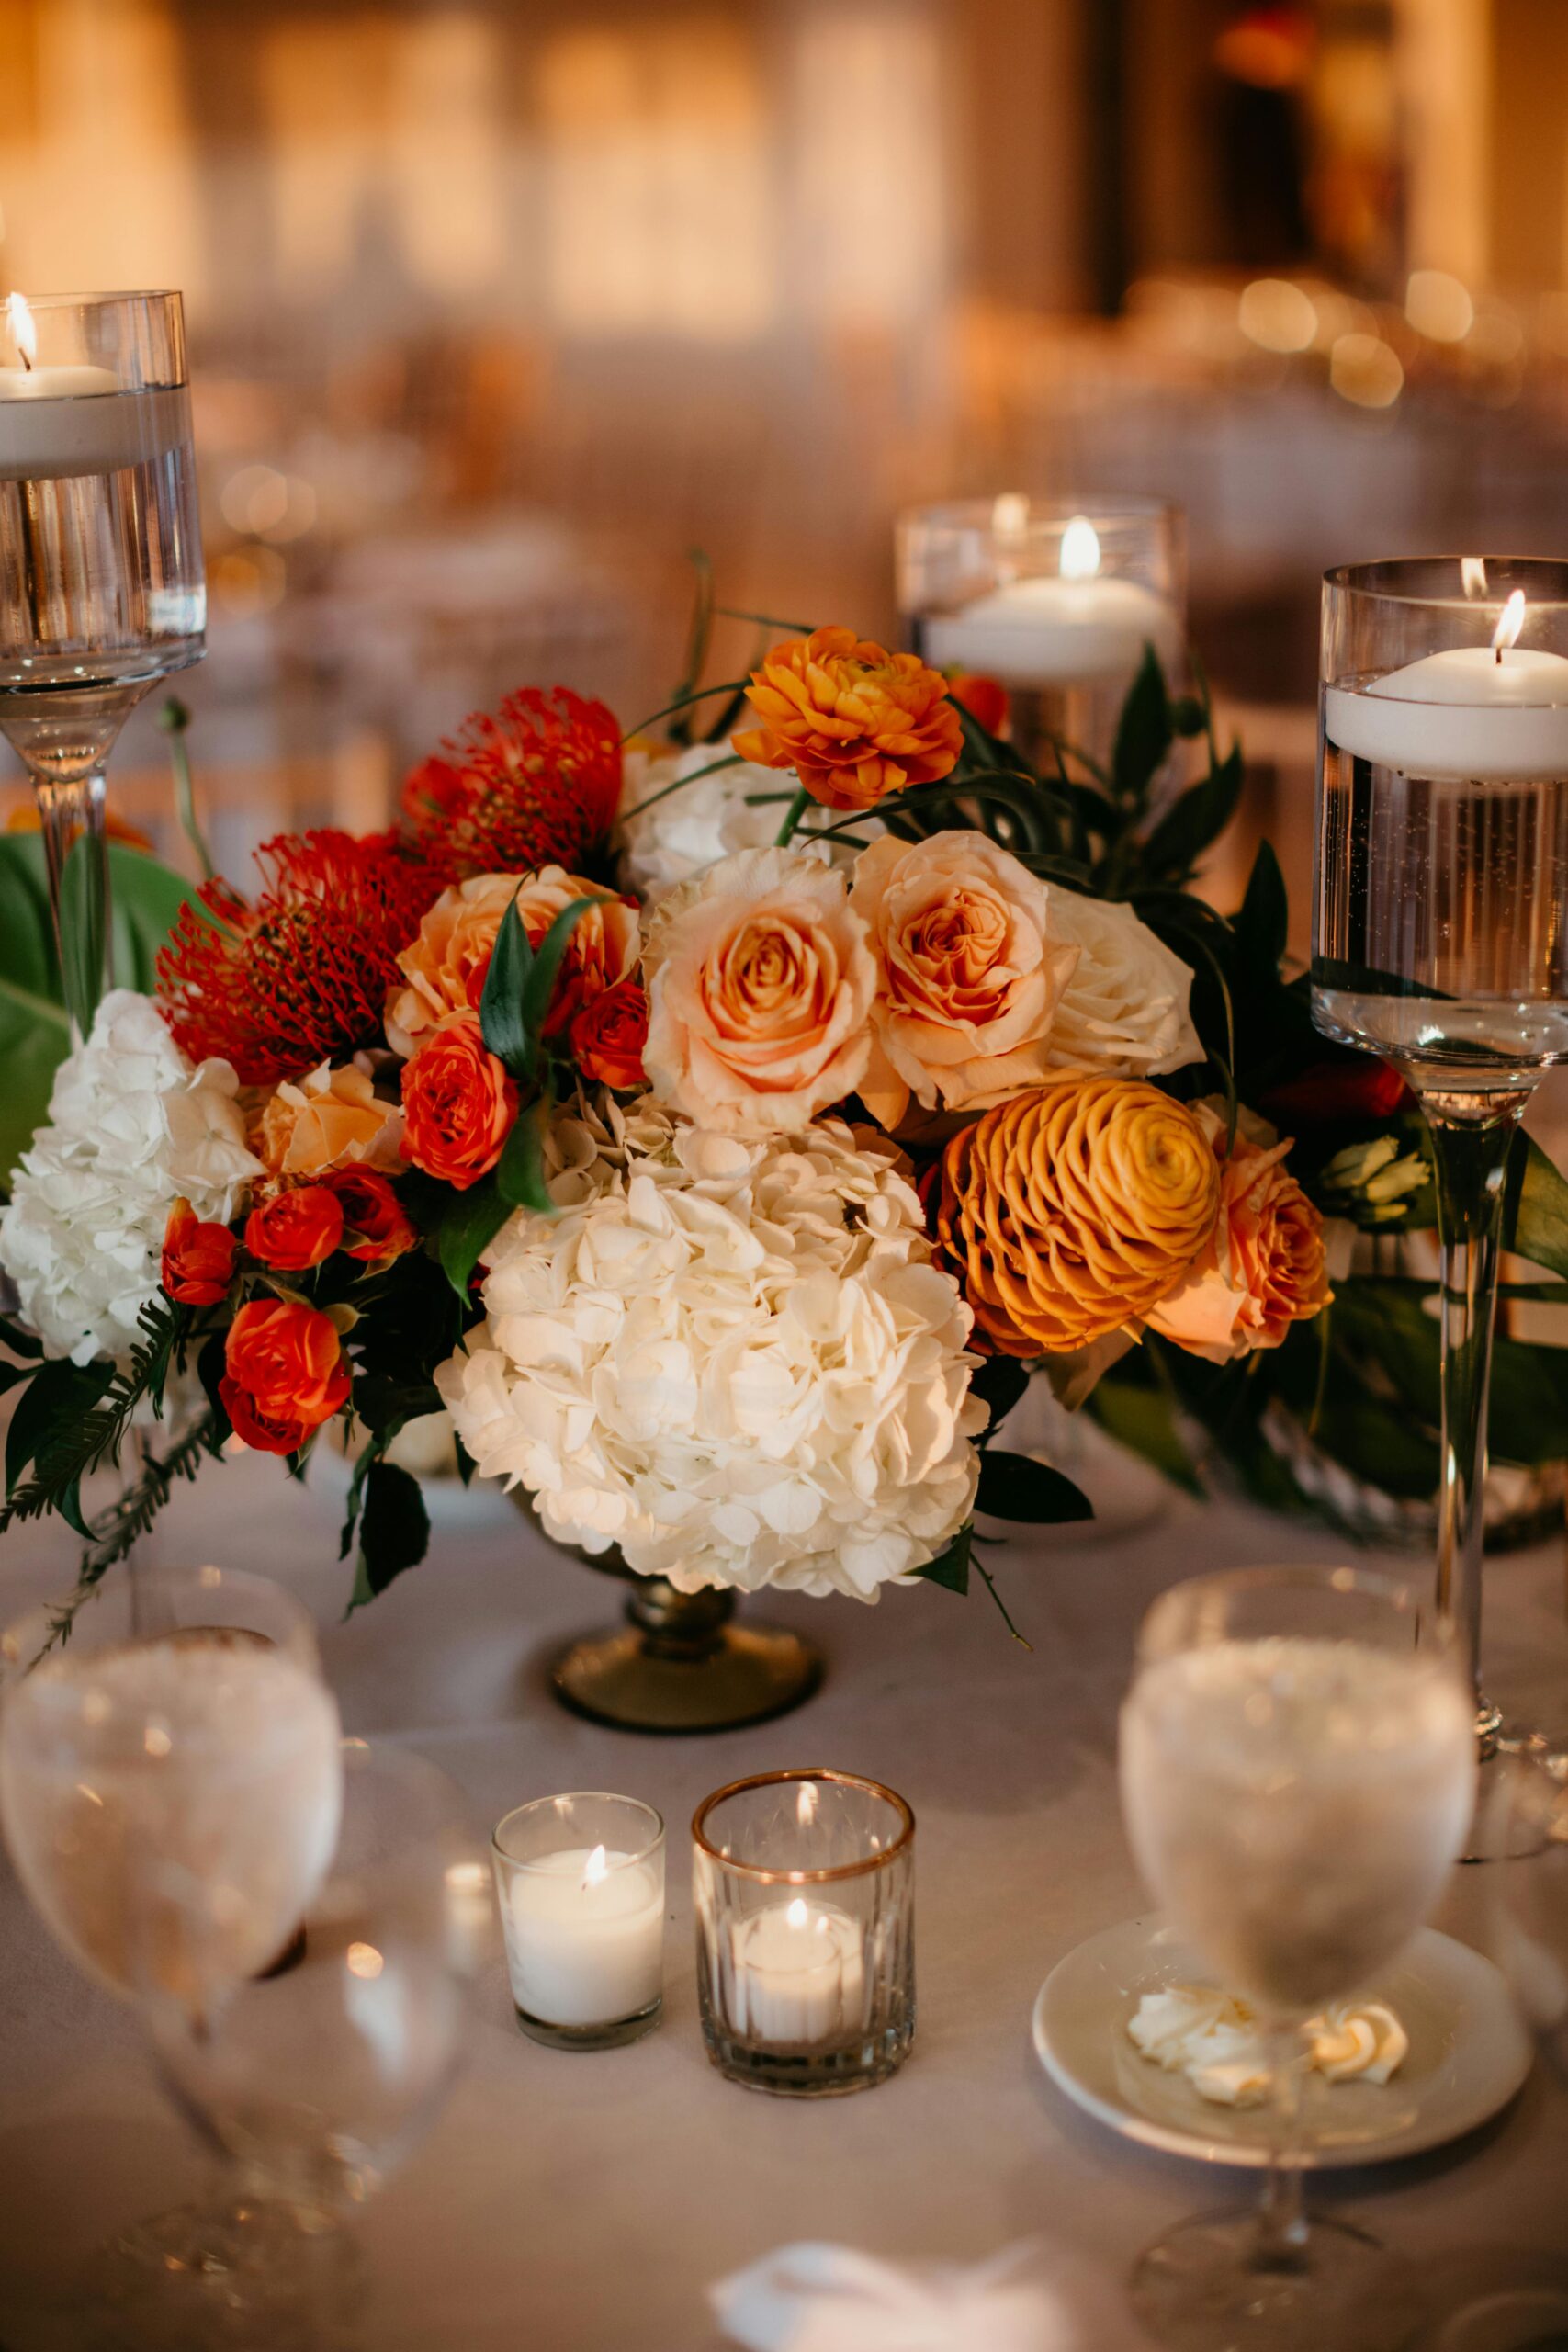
(1055, 599)
(1438, 938)
(101, 584)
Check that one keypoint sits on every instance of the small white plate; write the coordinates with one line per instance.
(1468, 2054)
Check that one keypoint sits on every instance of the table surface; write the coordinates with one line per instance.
(573, 2202)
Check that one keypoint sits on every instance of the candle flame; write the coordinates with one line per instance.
(597, 1868)
(1473, 574)
(1080, 549)
(24, 335)
(797, 1915)
(1507, 632)
(805, 1804)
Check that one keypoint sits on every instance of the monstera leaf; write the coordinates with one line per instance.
(34, 1034)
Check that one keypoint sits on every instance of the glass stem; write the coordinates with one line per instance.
(71, 813)
(1282, 2243)
(1472, 1137)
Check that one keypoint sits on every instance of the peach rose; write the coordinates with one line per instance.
(968, 977)
(446, 964)
(1266, 1265)
(760, 984)
(853, 720)
(459, 1106)
(327, 1119)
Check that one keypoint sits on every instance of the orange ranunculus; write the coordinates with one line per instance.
(198, 1260)
(445, 967)
(459, 1103)
(297, 1229)
(376, 1226)
(327, 1119)
(24, 819)
(1264, 1266)
(609, 1035)
(284, 1374)
(984, 699)
(853, 720)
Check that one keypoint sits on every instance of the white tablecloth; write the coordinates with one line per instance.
(576, 2204)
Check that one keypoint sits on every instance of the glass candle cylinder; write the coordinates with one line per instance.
(803, 1884)
(581, 1884)
(1053, 599)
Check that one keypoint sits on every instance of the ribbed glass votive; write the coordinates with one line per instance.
(804, 1891)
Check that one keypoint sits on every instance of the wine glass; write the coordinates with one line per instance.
(101, 583)
(1437, 933)
(314, 2081)
(1298, 1773)
(170, 1784)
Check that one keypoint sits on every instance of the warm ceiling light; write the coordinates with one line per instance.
(1366, 370)
(1277, 316)
(1437, 306)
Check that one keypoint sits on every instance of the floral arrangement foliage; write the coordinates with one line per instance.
(719, 1125)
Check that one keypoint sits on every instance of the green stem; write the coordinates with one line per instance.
(174, 719)
(684, 701)
(679, 785)
(793, 815)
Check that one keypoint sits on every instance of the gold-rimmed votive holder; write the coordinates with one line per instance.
(580, 1881)
(803, 1893)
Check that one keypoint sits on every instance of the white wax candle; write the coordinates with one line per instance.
(80, 422)
(582, 1949)
(1460, 714)
(799, 1973)
(1045, 632)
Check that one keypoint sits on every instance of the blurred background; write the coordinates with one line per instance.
(497, 307)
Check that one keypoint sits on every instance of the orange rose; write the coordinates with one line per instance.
(375, 1224)
(297, 1229)
(458, 1104)
(445, 964)
(284, 1374)
(853, 721)
(610, 1034)
(759, 983)
(324, 1120)
(1265, 1266)
(198, 1260)
(969, 973)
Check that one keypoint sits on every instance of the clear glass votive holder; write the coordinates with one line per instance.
(580, 1881)
(804, 1891)
(1055, 599)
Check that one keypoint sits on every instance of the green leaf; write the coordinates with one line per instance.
(1261, 924)
(1143, 1420)
(1014, 1486)
(21, 1343)
(501, 999)
(394, 1526)
(1198, 818)
(951, 1569)
(1535, 1216)
(540, 984)
(61, 1397)
(520, 1173)
(999, 1383)
(470, 1224)
(1143, 734)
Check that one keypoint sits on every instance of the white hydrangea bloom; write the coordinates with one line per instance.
(734, 1360)
(132, 1127)
(1125, 1011)
(710, 817)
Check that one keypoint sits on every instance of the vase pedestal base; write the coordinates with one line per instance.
(681, 1663)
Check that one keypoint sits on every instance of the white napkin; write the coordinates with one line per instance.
(830, 2299)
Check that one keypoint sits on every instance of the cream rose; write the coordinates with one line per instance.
(1123, 1012)
(1266, 1264)
(444, 965)
(330, 1118)
(969, 973)
(759, 989)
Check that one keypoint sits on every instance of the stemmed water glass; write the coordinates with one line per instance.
(101, 581)
(1438, 939)
(1298, 1773)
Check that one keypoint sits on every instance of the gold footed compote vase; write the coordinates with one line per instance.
(101, 583)
(679, 1662)
(1437, 935)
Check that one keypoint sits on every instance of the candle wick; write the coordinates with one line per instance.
(26, 363)
(1499, 653)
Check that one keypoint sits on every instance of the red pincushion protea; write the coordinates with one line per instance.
(299, 977)
(535, 785)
